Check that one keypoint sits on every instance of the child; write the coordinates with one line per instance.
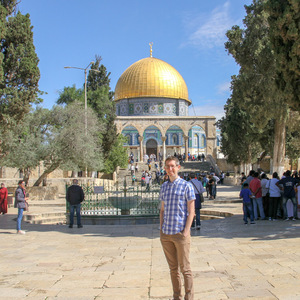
(247, 206)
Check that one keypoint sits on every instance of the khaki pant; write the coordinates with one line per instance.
(177, 250)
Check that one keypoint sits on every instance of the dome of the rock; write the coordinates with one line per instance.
(151, 77)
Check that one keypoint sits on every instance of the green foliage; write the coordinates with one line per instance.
(293, 136)
(284, 20)
(100, 99)
(117, 156)
(19, 72)
(240, 137)
(57, 137)
(24, 144)
(70, 94)
(99, 77)
(256, 100)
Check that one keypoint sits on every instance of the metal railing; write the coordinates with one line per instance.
(120, 200)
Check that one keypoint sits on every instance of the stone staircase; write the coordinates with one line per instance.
(58, 218)
(195, 166)
(188, 167)
(46, 212)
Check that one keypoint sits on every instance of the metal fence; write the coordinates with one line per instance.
(120, 200)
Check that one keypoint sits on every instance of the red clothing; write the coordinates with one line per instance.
(254, 185)
(3, 200)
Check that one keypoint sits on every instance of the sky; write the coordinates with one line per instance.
(189, 35)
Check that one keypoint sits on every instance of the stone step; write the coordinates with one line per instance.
(46, 218)
(47, 204)
(217, 214)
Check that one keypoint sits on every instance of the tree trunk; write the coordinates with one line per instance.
(279, 144)
(26, 175)
(49, 170)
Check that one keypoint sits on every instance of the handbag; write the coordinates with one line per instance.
(26, 206)
(201, 195)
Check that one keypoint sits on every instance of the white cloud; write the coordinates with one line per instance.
(210, 32)
(209, 109)
(224, 88)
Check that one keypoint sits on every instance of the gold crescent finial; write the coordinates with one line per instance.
(151, 44)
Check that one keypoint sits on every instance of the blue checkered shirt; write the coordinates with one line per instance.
(175, 195)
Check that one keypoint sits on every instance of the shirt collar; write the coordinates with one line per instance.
(176, 181)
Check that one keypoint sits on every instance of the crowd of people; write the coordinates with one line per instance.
(267, 199)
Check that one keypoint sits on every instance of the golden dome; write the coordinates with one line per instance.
(151, 77)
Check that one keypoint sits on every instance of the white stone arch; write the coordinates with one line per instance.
(134, 137)
(121, 127)
(179, 135)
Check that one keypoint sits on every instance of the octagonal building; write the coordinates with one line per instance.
(152, 112)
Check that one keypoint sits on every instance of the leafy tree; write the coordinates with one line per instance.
(70, 94)
(19, 72)
(242, 141)
(25, 143)
(117, 156)
(57, 137)
(256, 91)
(100, 99)
(293, 136)
(284, 20)
(98, 78)
(68, 145)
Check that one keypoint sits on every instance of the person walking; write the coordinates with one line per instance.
(198, 190)
(148, 181)
(176, 216)
(20, 203)
(3, 199)
(74, 197)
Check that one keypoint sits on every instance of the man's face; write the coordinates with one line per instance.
(171, 168)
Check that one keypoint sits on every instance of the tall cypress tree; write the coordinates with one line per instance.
(19, 72)
(284, 20)
(100, 98)
(259, 95)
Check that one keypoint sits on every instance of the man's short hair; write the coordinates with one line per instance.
(75, 181)
(246, 184)
(256, 174)
(288, 173)
(172, 158)
(251, 172)
(20, 181)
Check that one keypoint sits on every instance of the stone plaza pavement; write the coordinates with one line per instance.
(229, 260)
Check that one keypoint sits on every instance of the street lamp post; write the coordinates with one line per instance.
(85, 97)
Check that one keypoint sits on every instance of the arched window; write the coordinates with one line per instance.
(196, 140)
(175, 139)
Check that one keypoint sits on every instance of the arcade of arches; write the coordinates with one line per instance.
(154, 135)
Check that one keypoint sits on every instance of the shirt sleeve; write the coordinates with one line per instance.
(190, 194)
(161, 193)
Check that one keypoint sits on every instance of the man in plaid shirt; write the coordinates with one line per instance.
(176, 216)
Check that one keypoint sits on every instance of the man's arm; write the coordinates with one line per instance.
(190, 218)
(161, 215)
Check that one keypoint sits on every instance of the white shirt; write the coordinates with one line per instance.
(148, 178)
(274, 189)
(264, 186)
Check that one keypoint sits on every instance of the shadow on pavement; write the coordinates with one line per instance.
(228, 228)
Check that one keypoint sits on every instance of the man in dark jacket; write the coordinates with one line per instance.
(75, 196)
(289, 183)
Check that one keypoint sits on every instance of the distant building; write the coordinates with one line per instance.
(152, 112)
